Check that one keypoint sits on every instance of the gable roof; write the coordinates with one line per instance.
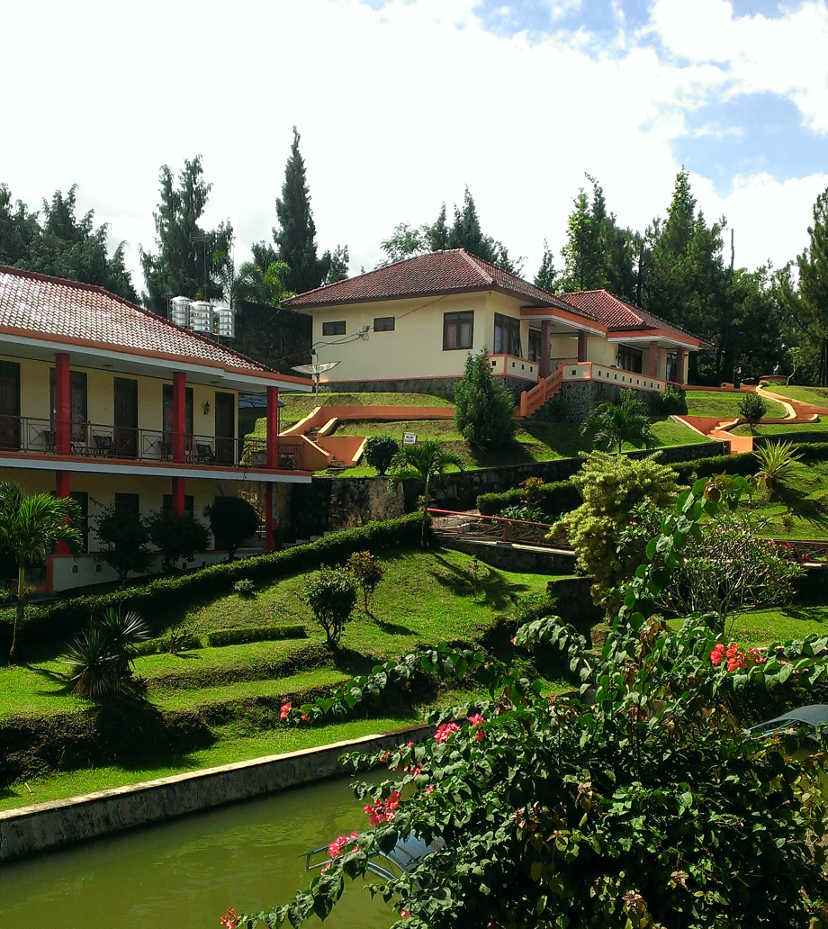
(40, 306)
(619, 315)
(448, 271)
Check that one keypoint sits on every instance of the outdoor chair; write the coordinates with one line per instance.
(205, 453)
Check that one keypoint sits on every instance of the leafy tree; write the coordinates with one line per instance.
(331, 594)
(405, 242)
(547, 276)
(296, 236)
(338, 265)
(611, 486)
(427, 461)
(624, 803)
(752, 408)
(190, 260)
(483, 405)
(613, 424)
(30, 527)
(368, 572)
(380, 451)
(232, 520)
(262, 284)
(125, 536)
(19, 230)
(466, 233)
(437, 234)
(177, 536)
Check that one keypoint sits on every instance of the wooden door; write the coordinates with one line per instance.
(126, 418)
(9, 404)
(225, 428)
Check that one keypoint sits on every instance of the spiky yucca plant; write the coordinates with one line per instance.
(776, 459)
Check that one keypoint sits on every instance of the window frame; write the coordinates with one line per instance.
(509, 327)
(333, 322)
(385, 319)
(458, 317)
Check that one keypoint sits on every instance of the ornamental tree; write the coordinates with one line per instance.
(232, 520)
(331, 594)
(484, 406)
(367, 571)
(126, 537)
(634, 802)
(380, 451)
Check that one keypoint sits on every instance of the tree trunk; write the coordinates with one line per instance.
(20, 608)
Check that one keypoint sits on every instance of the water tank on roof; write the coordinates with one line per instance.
(223, 322)
(180, 311)
(201, 316)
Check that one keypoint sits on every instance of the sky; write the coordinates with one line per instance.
(401, 103)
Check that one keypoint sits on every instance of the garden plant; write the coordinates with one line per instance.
(613, 424)
(331, 594)
(380, 451)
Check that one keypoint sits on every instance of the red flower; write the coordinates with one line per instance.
(479, 735)
(445, 731)
(717, 654)
(383, 811)
(512, 640)
(405, 914)
(430, 789)
(757, 656)
(476, 719)
(335, 848)
(305, 717)
(229, 919)
(284, 710)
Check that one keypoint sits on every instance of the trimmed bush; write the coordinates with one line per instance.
(55, 621)
(178, 535)
(331, 594)
(379, 452)
(244, 587)
(555, 497)
(752, 408)
(232, 520)
(175, 643)
(244, 634)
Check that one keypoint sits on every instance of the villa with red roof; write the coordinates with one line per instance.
(411, 325)
(108, 403)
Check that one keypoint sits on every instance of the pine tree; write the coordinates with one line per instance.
(338, 265)
(547, 276)
(438, 233)
(190, 261)
(466, 232)
(296, 235)
(19, 229)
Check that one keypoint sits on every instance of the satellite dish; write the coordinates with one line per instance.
(315, 369)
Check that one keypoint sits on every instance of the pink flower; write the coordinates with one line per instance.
(512, 640)
(284, 710)
(445, 731)
(335, 848)
(476, 719)
(229, 919)
(757, 656)
(405, 914)
(305, 717)
(409, 745)
(383, 811)
(430, 789)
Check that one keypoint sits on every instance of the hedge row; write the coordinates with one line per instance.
(57, 620)
(563, 496)
(243, 634)
(160, 646)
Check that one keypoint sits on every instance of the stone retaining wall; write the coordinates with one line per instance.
(28, 830)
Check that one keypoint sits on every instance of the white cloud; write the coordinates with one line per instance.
(399, 108)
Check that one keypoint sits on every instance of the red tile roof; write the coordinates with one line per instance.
(73, 312)
(443, 272)
(618, 315)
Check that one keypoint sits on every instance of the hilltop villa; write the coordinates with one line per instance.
(410, 326)
(108, 403)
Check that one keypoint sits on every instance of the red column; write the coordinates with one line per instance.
(63, 405)
(652, 359)
(273, 427)
(179, 416)
(63, 487)
(582, 346)
(546, 336)
(270, 523)
(178, 495)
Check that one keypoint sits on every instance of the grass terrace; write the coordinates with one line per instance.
(723, 404)
(816, 395)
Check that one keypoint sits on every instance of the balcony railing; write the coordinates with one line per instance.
(96, 440)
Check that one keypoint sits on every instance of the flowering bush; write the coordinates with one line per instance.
(638, 801)
(368, 571)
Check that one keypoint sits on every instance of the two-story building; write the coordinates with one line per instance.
(410, 326)
(108, 403)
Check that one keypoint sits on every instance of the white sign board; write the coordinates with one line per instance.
(409, 438)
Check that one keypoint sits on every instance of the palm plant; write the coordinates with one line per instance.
(613, 424)
(776, 459)
(263, 286)
(427, 461)
(30, 527)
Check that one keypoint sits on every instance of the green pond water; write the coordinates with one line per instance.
(185, 873)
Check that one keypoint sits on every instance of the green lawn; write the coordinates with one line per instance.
(816, 395)
(761, 627)
(783, 428)
(723, 404)
(805, 496)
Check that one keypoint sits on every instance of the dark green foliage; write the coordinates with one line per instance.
(296, 235)
(177, 536)
(752, 408)
(190, 261)
(232, 520)
(380, 451)
(60, 243)
(244, 587)
(165, 595)
(178, 642)
(483, 405)
(263, 281)
(331, 594)
(125, 536)
(613, 424)
(100, 659)
(547, 277)
(255, 634)
(671, 400)
(554, 498)
(338, 265)
(368, 572)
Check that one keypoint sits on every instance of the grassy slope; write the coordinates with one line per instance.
(297, 406)
(805, 496)
(723, 404)
(783, 428)
(759, 627)
(816, 395)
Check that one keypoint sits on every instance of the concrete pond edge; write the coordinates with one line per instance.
(57, 823)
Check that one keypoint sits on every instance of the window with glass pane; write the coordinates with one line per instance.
(534, 345)
(458, 330)
(630, 359)
(507, 336)
(335, 327)
(384, 324)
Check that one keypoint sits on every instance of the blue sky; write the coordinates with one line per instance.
(402, 103)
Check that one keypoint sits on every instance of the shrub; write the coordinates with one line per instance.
(331, 595)
(531, 491)
(613, 424)
(101, 658)
(177, 536)
(533, 514)
(612, 485)
(125, 536)
(177, 642)
(232, 520)
(243, 634)
(775, 459)
(379, 452)
(244, 587)
(368, 572)
(483, 405)
(752, 408)
(673, 400)
(553, 498)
